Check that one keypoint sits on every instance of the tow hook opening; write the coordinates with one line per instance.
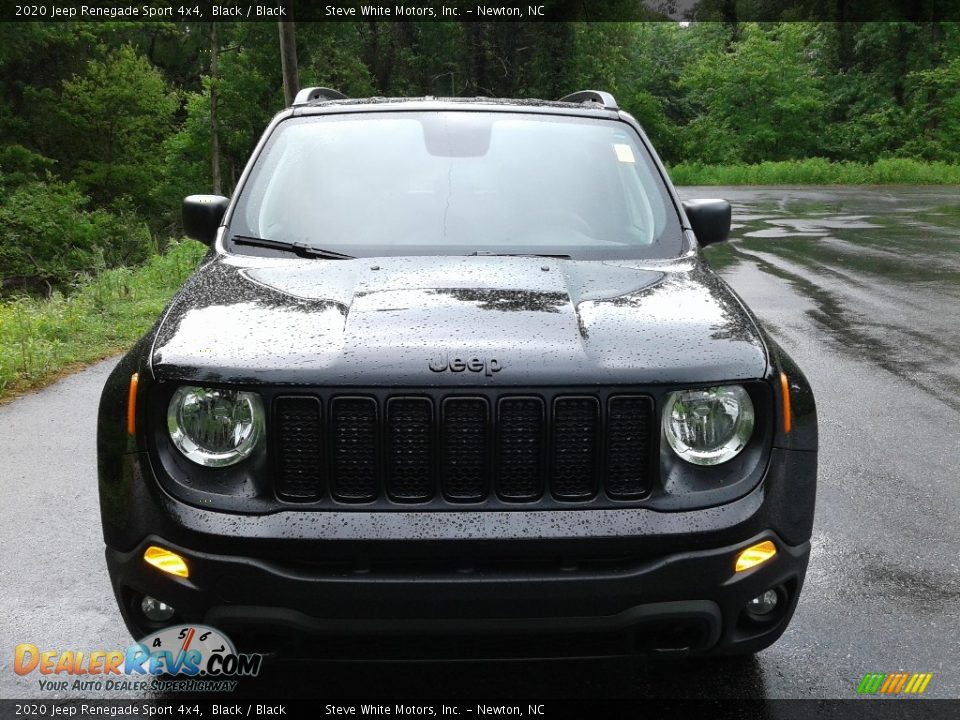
(676, 637)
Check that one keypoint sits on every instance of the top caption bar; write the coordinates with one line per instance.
(483, 10)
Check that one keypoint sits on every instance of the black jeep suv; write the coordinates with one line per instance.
(454, 378)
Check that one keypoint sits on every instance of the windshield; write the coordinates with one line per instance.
(456, 183)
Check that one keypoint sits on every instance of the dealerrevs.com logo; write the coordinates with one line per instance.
(191, 657)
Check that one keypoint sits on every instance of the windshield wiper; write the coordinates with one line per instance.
(300, 248)
(487, 253)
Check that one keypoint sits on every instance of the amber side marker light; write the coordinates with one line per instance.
(132, 405)
(756, 555)
(167, 561)
(785, 393)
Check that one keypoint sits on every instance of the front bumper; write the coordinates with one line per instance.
(690, 602)
(468, 584)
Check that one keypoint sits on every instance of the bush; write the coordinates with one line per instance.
(47, 236)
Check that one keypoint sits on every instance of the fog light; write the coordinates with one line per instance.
(763, 604)
(167, 561)
(155, 610)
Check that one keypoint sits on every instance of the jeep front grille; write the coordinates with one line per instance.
(440, 448)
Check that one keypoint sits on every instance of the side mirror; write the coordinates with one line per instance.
(710, 219)
(202, 215)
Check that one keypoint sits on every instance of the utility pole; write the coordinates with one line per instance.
(214, 122)
(288, 59)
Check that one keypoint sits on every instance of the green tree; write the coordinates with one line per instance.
(115, 117)
(760, 100)
(934, 114)
(628, 60)
(249, 93)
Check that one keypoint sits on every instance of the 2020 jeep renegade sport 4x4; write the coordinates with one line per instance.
(454, 378)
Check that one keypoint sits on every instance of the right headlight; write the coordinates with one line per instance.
(215, 427)
(708, 426)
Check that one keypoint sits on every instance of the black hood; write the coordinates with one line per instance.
(498, 320)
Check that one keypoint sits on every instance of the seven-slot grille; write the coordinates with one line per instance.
(511, 449)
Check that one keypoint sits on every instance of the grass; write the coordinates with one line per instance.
(819, 171)
(42, 339)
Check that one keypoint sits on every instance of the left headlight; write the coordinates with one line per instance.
(708, 426)
(215, 427)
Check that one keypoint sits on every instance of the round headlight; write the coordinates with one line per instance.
(708, 426)
(215, 427)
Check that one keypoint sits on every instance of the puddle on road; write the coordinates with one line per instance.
(812, 226)
(880, 266)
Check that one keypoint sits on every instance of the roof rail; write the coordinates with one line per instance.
(311, 94)
(597, 96)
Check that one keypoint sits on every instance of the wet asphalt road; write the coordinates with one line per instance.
(861, 286)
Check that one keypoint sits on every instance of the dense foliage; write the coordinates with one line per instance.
(106, 126)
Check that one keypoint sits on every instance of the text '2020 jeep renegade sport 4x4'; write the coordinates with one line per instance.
(454, 378)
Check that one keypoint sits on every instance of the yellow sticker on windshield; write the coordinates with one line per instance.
(624, 152)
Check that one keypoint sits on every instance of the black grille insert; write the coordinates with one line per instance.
(520, 435)
(354, 430)
(576, 425)
(629, 446)
(410, 449)
(299, 442)
(465, 431)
